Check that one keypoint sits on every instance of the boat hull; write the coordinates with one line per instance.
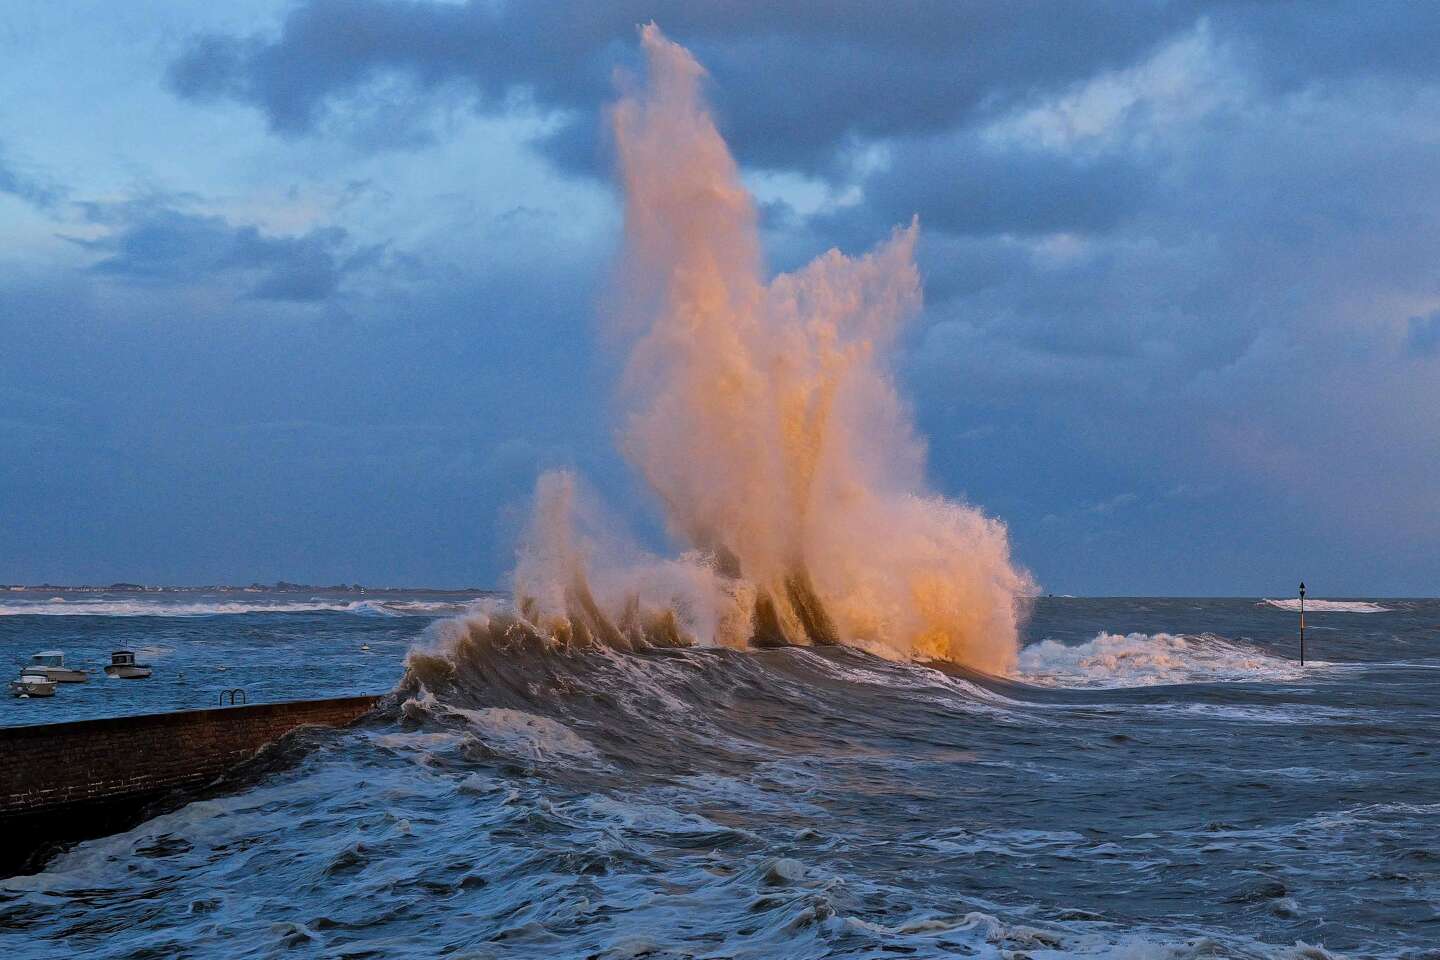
(130, 671)
(20, 688)
(63, 674)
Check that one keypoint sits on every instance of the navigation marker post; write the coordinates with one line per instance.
(1302, 623)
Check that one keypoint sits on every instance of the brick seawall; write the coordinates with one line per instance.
(62, 782)
(58, 766)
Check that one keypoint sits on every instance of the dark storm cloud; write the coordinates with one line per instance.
(151, 242)
(963, 185)
(794, 81)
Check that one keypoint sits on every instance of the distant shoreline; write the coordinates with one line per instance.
(280, 586)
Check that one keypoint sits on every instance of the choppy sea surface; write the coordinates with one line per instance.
(1161, 780)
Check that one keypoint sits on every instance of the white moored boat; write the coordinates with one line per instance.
(122, 664)
(32, 685)
(51, 663)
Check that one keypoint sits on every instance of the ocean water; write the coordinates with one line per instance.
(273, 646)
(1161, 780)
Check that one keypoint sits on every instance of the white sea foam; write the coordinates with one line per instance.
(526, 736)
(635, 815)
(1329, 606)
(985, 934)
(1144, 659)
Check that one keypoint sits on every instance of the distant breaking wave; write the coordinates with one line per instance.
(57, 607)
(1144, 659)
(1329, 606)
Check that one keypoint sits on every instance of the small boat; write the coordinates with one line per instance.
(122, 664)
(51, 663)
(32, 685)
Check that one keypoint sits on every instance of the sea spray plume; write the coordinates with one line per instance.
(579, 580)
(764, 418)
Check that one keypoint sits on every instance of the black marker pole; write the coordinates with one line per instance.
(1302, 623)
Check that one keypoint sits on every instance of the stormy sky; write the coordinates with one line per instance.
(310, 289)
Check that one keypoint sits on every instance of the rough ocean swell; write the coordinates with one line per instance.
(525, 797)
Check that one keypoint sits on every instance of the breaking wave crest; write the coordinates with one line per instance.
(570, 696)
(588, 694)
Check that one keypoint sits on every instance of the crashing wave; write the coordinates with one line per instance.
(763, 415)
